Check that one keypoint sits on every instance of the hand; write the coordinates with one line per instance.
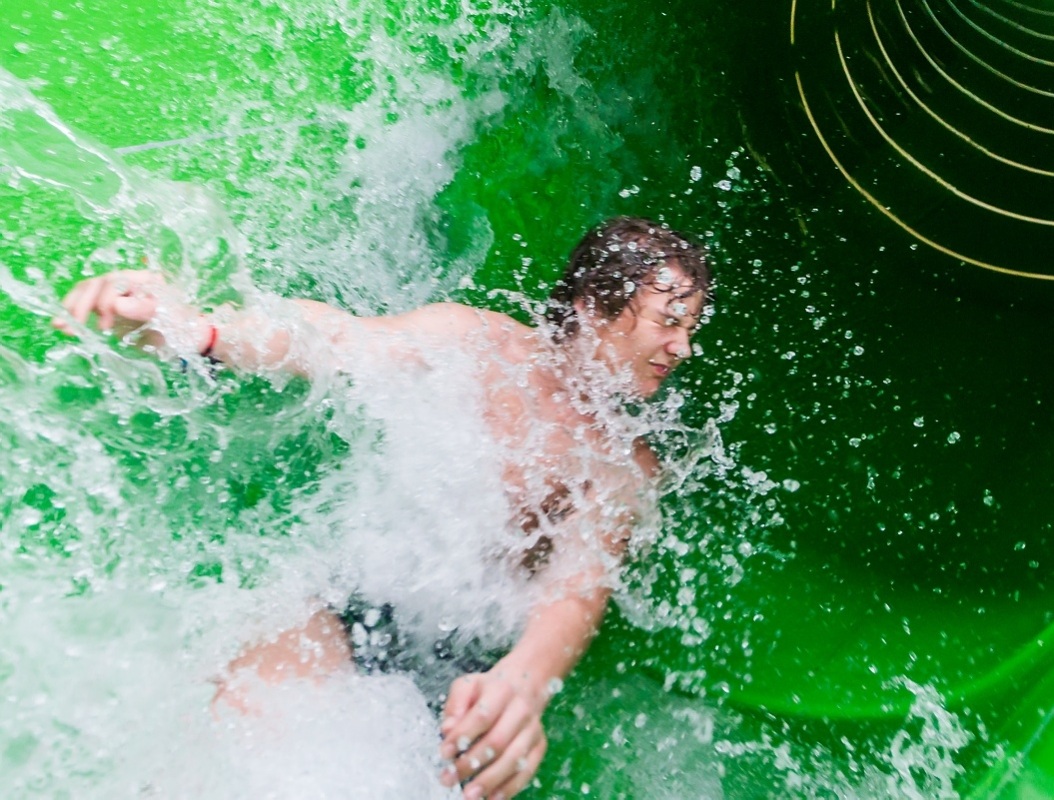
(492, 731)
(127, 297)
(126, 300)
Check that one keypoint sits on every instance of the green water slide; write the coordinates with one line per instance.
(929, 124)
(856, 574)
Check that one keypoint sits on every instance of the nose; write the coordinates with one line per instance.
(678, 344)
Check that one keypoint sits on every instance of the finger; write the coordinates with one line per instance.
(61, 324)
(514, 720)
(526, 768)
(513, 769)
(491, 702)
(79, 301)
(110, 292)
(464, 693)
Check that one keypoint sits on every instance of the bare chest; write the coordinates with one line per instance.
(556, 461)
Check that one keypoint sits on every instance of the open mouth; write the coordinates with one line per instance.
(662, 369)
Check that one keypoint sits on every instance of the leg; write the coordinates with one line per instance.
(314, 650)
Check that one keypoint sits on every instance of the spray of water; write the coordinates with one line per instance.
(157, 518)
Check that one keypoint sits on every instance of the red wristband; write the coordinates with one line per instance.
(214, 334)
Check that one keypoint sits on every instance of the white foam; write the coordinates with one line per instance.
(349, 737)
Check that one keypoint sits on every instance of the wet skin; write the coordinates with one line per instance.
(492, 732)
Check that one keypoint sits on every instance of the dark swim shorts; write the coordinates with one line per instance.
(378, 646)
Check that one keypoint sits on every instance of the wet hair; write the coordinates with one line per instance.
(613, 261)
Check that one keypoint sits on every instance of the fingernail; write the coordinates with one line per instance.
(463, 743)
(448, 777)
(473, 793)
(446, 751)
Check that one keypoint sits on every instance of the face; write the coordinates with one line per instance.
(651, 336)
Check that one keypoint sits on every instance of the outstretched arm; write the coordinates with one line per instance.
(299, 337)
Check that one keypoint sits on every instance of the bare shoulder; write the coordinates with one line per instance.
(440, 318)
(457, 319)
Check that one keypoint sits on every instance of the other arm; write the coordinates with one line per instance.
(492, 729)
(492, 721)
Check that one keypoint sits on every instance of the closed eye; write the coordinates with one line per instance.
(687, 322)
